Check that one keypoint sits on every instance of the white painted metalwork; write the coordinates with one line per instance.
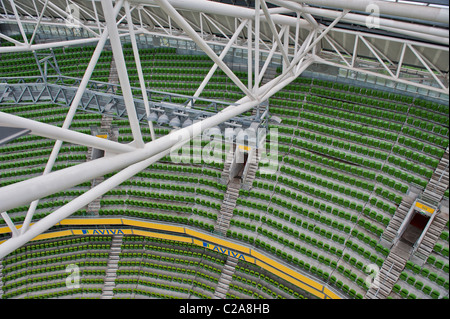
(289, 33)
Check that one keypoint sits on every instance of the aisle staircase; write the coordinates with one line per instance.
(438, 183)
(251, 170)
(393, 227)
(431, 237)
(112, 266)
(228, 205)
(225, 278)
(226, 166)
(390, 271)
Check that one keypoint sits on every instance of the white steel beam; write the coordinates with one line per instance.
(19, 22)
(257, 36)
(41, 186)
(439, 35)
(249, 54)
(122, 73)
(43, 46)
(400, 62)
(212, 7)
(65, 15)
(10, 39)
(269, 58)
(274, 32)
(74, 205)
(371, 49)
(384, 76)
(155, 20)
(169, 9)
(406, 10)
(69, 118)
(138, 66)
(425, 64)
(301, 54)
(221, 57)
(63, 134)
(336, 50)
(299, 9)
(38, 21)
(10, 224)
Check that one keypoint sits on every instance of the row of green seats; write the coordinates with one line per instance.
(43, 270)
(57, 251)
(430, 138)
(382, 205)
(360, 90)
(157, 216)
(59, 285)
(252, 293)
(324, 183)
(428, 149)
(393, 197)
(355, 108)
(358, 138)
(342, 178)
(431, 105)
(80, 258)
(430, 116)
(331, 152)
(45, 278)
(349, 126)
(411, 167)
(353, 116)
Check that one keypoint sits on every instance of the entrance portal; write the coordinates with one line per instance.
(415, 228)
(240, 166)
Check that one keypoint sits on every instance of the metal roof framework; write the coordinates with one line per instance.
(404, 42)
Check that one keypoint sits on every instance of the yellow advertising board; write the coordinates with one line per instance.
(425, 208)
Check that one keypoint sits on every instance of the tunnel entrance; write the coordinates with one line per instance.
(240, 166)
(415, 228)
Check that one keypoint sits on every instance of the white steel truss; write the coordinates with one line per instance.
(290, 32)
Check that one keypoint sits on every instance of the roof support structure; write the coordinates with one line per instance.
(129, 159)
(70, 115)
(169, 9)
(138, 66)
(119, 58)
(221, 57)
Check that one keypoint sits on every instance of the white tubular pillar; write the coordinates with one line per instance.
(405, 10)
(249, 55)
(138, 66)
(303, 53)
(66, 135)
(10, 224)
(222, 55)
(256, 56)
(74, 205)
(167, 7)
(116, 47)
(19, 23)
(26, 191)
(71, 113)
(269, 58)
(43, 46)
(275, 33)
